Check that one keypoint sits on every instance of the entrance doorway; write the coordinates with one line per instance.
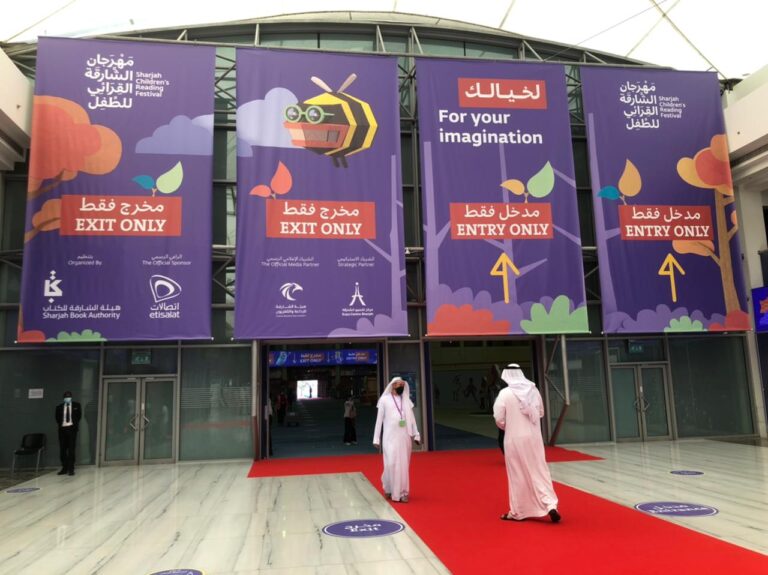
(466, 377)
(139, 420)
(640, 402)
(308, 386)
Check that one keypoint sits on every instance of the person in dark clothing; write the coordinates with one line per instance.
(68, 414)
(350, 416)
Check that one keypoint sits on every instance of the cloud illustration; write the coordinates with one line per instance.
(260, 122)
(182, 136)
(382, 325)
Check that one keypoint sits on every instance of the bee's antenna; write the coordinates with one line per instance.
(320, 83)
(351, 78)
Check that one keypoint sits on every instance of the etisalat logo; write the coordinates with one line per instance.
(288, 290)
(163, 289)
(52, 289)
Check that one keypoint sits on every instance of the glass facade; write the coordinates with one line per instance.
(586, 419)
(710, 386)
(28, 374)
(215, 403)
(706, 376)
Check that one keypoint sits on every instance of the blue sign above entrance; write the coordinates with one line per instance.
(305, 358)
(363, 528)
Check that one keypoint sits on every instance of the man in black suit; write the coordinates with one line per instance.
(68, 416)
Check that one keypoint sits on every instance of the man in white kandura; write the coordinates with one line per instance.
(517, 410)
(395, 418)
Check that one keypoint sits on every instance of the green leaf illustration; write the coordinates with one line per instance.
(542, 183)
(558, 319)
(170, 181)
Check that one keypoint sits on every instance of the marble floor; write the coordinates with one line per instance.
(211, 517)
(734, 481)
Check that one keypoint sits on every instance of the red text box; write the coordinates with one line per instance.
(502, 93)
(501, 221)
(665, 223)
(120, 216)
(300, 219)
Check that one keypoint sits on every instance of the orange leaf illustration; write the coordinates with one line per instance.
(282, 180)
(630, 181)
(515, 186)
(261, 190)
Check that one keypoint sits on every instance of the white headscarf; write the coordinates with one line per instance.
(525, 391)
(388, 392)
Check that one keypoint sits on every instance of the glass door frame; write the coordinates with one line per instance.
(139, 419)
(637, 369)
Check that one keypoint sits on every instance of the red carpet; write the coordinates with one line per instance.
(457, 497)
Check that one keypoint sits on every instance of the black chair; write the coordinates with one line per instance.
(31, 444)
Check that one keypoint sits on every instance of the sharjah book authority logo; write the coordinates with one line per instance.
(287, 290)
(357, 296)
(163, 288)
(52, 289)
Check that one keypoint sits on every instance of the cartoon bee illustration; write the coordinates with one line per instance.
(334, 123)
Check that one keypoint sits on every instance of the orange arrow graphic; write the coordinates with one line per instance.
(668, 269)
(501, 268)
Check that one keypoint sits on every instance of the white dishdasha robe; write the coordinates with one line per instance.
(517, 410)
(396, 441)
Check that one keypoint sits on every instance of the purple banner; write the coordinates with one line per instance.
(760, 308)
(118, 229)
(503, 249)
(319, 205)
(665, 216)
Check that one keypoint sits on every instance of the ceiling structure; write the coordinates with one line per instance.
(684, 34)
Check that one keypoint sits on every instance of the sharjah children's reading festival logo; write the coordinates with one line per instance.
(163, 288)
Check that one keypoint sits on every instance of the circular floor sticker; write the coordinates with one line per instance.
(676, 508)
(22, 489)
(363, 528)
(686, 472)
(178, 572)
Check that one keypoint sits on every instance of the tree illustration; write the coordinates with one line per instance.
(65, 143)
(538, 186)
(710, 169)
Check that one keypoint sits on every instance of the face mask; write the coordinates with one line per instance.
(67, 400)
(399, 390)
